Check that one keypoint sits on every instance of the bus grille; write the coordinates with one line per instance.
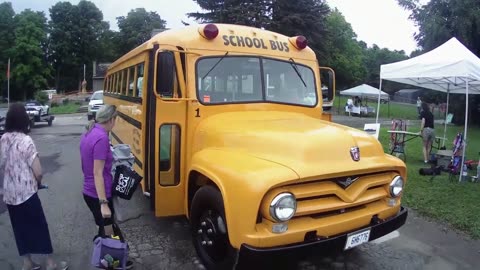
(323, 198)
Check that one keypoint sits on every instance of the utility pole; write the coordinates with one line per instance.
(84, 82)
(8, 83)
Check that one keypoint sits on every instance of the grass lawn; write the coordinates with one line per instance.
(397, 110)
(442, 199)
(65, 109)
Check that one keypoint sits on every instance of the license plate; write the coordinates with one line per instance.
(357, 238)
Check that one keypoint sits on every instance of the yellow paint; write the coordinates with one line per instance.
(254, 151)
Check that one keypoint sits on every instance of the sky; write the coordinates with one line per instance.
(381, 22)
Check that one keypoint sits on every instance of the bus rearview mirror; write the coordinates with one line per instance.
(327, 78)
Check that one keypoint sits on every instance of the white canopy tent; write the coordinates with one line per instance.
(450, 68)
(364, 90)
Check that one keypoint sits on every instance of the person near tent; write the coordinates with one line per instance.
(357, 102)
(427, 130)
(450, 68)
(419, 105)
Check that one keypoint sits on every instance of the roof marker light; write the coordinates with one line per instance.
(209, 31)
(300, 42)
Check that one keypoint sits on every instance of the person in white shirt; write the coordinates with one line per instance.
(419, 105)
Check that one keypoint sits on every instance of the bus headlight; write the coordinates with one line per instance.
(283, 207)
(396, 186)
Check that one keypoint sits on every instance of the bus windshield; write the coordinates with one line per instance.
(240, 79)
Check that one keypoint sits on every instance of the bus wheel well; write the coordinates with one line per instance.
(197, 180)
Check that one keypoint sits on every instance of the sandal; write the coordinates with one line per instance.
(59, 266)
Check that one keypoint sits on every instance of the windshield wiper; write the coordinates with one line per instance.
(294, 66)
(218, 62)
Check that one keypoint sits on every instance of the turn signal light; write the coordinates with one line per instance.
(209, 31)
(300, 42)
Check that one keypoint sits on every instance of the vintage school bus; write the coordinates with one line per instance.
(227, 128)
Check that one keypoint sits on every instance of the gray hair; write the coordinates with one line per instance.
(104, 114)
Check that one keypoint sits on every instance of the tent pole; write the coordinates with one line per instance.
(388, 107)
(378, 104)
(446, 115)
(338, 110)
(464, 134)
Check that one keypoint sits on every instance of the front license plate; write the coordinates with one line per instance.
(357, 238)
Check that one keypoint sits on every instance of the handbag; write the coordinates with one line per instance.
(125, 182)
(110, 252)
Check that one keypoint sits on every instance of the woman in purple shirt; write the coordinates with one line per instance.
(97, 162)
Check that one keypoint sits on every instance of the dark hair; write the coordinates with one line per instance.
(17, 119)
(425, 107)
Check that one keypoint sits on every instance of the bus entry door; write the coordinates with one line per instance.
(169, 128)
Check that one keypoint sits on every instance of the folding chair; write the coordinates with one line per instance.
(397, 141)
(455, 163)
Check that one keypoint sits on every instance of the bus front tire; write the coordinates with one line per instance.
(209, 230)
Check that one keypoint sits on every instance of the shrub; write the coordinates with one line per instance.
(41, 97)
(54, 104)
(66, 101)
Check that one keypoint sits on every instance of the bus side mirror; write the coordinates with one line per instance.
(165, 73)
(327, 77)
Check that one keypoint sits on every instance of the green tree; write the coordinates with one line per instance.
(63, 30)
(255, 13)
(137, 27)
(440, 20)
(108, 45)
(303, 17)
(29, 69)
(374, 58)
(344, 53)
(291, 18)
(7, 40)
(75, 40)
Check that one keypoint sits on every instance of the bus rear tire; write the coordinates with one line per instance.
(209, 230)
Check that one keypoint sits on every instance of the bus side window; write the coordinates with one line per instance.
(111, 84)
(123, 83)
(166, 75)
(131, 79)
(139, 80)
(117, 83)
(105, 84)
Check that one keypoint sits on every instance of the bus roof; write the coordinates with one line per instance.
(231, 38)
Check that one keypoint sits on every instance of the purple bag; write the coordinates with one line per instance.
(107, 248)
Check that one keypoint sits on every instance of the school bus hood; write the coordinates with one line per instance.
(306, 145)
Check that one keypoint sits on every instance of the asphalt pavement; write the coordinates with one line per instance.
(166, 243)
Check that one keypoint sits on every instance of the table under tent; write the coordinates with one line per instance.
(363, 93)
(450, 68)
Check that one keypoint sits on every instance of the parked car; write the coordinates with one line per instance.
(95, 102)
(36, 109)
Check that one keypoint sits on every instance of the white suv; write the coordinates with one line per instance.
(96, 101)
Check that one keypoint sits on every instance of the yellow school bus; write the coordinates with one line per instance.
(227, 128)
